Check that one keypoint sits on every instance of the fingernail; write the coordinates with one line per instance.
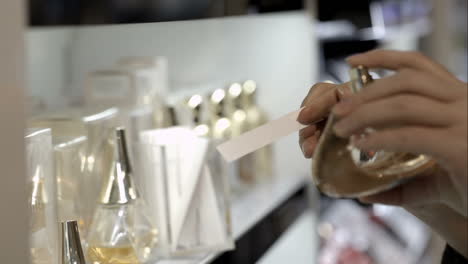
(343, 107)
(303, 149)
(300, 115)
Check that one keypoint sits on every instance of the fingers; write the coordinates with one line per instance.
(405, 139)
(396, 111)
(309, 145)
(405, 82)
(418, 191)
(316, 91)
(317, 108)
(305, 133)
(398, 60)
(432, 187)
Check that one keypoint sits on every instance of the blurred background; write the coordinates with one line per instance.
(285, 46)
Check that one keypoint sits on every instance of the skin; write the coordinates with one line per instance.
(421, 109)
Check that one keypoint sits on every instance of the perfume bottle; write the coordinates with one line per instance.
(69, 154)
(195, 105)
(121, 231)
(263, 158)
(96, 125)
(42, 201)
(341, 170)
(238, 117)
(151, 85)
(72, 252)
(221, 125)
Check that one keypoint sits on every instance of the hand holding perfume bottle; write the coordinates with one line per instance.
(341, 169)
(430, 119)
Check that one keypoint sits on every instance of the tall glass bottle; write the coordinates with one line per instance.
(195, 106)
(342, 170)
(238, 116)
(42, 197)
(121, 231)
(262, 158)
(221, 125)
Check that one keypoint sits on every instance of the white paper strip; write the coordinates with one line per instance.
(260, 137)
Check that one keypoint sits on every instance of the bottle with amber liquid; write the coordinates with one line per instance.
(121, 231)
(342, 170)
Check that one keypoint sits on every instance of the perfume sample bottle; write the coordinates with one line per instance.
(42, 197)
(72, 252)
(121, 231)
(341, 170)
(263, 158)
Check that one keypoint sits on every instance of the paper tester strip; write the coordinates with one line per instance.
(260, 137)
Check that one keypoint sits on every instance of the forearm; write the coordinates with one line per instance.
(451, 226)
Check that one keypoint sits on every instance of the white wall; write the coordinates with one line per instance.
(49, 53)
(278, 51)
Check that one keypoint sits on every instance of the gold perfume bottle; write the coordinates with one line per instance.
(72, 252)
(195, 104)
(121, 231)
(221, 125)
(238, 117)
(341, 170)
(263, 158)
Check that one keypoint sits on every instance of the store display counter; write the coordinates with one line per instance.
(259, 201)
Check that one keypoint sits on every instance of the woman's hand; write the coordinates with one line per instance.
(422, 109)
(317, 106)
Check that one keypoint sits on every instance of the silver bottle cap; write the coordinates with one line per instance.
(72, 252)
(360, 77)
(120, 187)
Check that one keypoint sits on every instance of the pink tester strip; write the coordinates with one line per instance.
(260, 137)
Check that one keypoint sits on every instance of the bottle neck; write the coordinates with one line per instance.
(360, 78)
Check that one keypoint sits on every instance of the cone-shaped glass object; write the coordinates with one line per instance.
(121, 232)
(72, 252)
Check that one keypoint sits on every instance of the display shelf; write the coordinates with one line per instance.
(257, 202)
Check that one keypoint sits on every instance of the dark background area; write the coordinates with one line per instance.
(82, 12)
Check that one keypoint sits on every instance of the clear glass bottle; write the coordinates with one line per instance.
(96, 125)
(42, 197)
(69, 154)
(121, 231)
(341, 170)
